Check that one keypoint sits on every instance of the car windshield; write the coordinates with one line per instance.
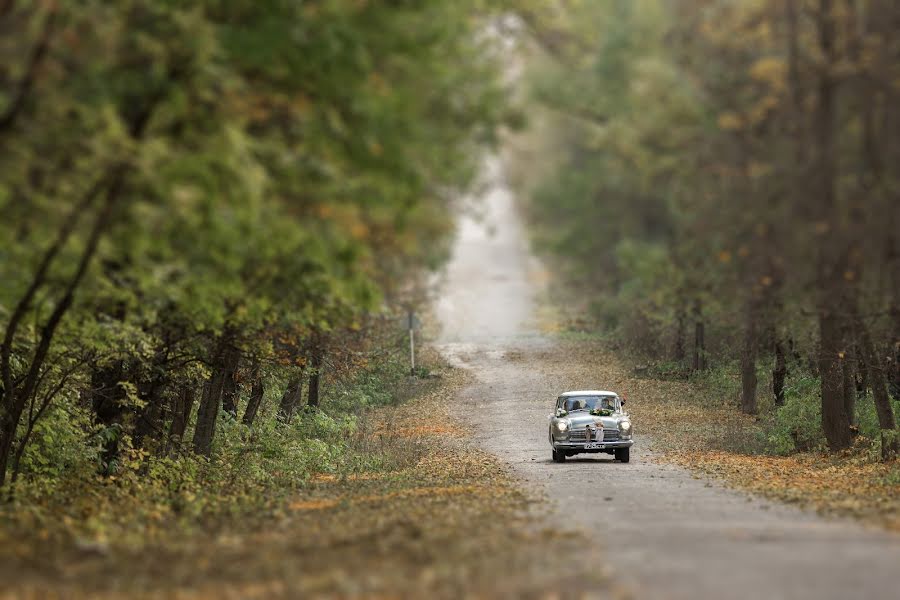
(572, 403)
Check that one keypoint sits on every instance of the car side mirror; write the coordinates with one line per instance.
(623, 401)
(561, 412)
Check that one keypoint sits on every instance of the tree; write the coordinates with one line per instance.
(183, 183)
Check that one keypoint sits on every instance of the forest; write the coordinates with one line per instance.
(217, 216)
(207, 209)
(723, 188)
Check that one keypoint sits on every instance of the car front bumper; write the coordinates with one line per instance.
(597, 446)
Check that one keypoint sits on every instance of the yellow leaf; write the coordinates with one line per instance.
(770, 70)
(729, 121)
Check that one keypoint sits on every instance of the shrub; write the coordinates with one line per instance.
(798, 424)
(58, 443)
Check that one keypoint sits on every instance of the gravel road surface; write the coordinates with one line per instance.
(665, 533)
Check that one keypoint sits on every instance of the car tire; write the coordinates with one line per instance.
(559, 456)
(623, 454)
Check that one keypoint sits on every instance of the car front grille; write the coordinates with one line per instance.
(577, 435)
(580, 435)
(610, 435)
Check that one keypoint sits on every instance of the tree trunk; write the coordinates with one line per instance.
(886, 420)
(830, 261)
(204, 430)
(231, 387)
(290, 400)
(748, 363)
(699, 342)
(679, 352)
(208, 412)
(895, 379)
(862, 374)
(849, 387)
(318, 356)
(257, 392)
(835, 423)
(779, 373)
(184, 404)
(893, 260)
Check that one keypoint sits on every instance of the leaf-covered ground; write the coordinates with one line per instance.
(446, 521)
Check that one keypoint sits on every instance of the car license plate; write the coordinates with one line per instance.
(594, 446)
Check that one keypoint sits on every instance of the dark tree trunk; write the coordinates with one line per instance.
(204, 430)
(699, 363)
(231, 387)
(316, 361)
(895, 378)
(290, 399)
(835, 422)
(181, 415)
(748, 363)
(257, 392)
(886, 421)
(831, 260)
(862, 374)
(679, 351)
(849, 387)
(211, 401)
(779, 373)
(893, 259)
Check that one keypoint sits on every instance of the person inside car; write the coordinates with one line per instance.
(576, 404)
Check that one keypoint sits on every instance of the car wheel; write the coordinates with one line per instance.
(623, 454)
(559, 456)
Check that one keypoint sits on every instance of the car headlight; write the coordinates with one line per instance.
(562, 425)
(625, 426)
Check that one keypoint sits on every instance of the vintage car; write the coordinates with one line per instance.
(592, 421)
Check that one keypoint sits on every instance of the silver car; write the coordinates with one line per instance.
(590, 421)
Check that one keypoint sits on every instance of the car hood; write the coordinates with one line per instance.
(580, 420)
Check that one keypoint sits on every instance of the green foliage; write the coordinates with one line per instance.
(59, 445)
(265, 180)
(797, 424)
(250, 475)
(705, 167)
(893, 477)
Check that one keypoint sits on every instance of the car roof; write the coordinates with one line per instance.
(588, 393)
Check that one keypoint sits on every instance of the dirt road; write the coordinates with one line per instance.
(665, 533)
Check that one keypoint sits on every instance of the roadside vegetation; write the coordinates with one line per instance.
(381, 503)
(213, 216)
(721, 203)
(695, 423)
